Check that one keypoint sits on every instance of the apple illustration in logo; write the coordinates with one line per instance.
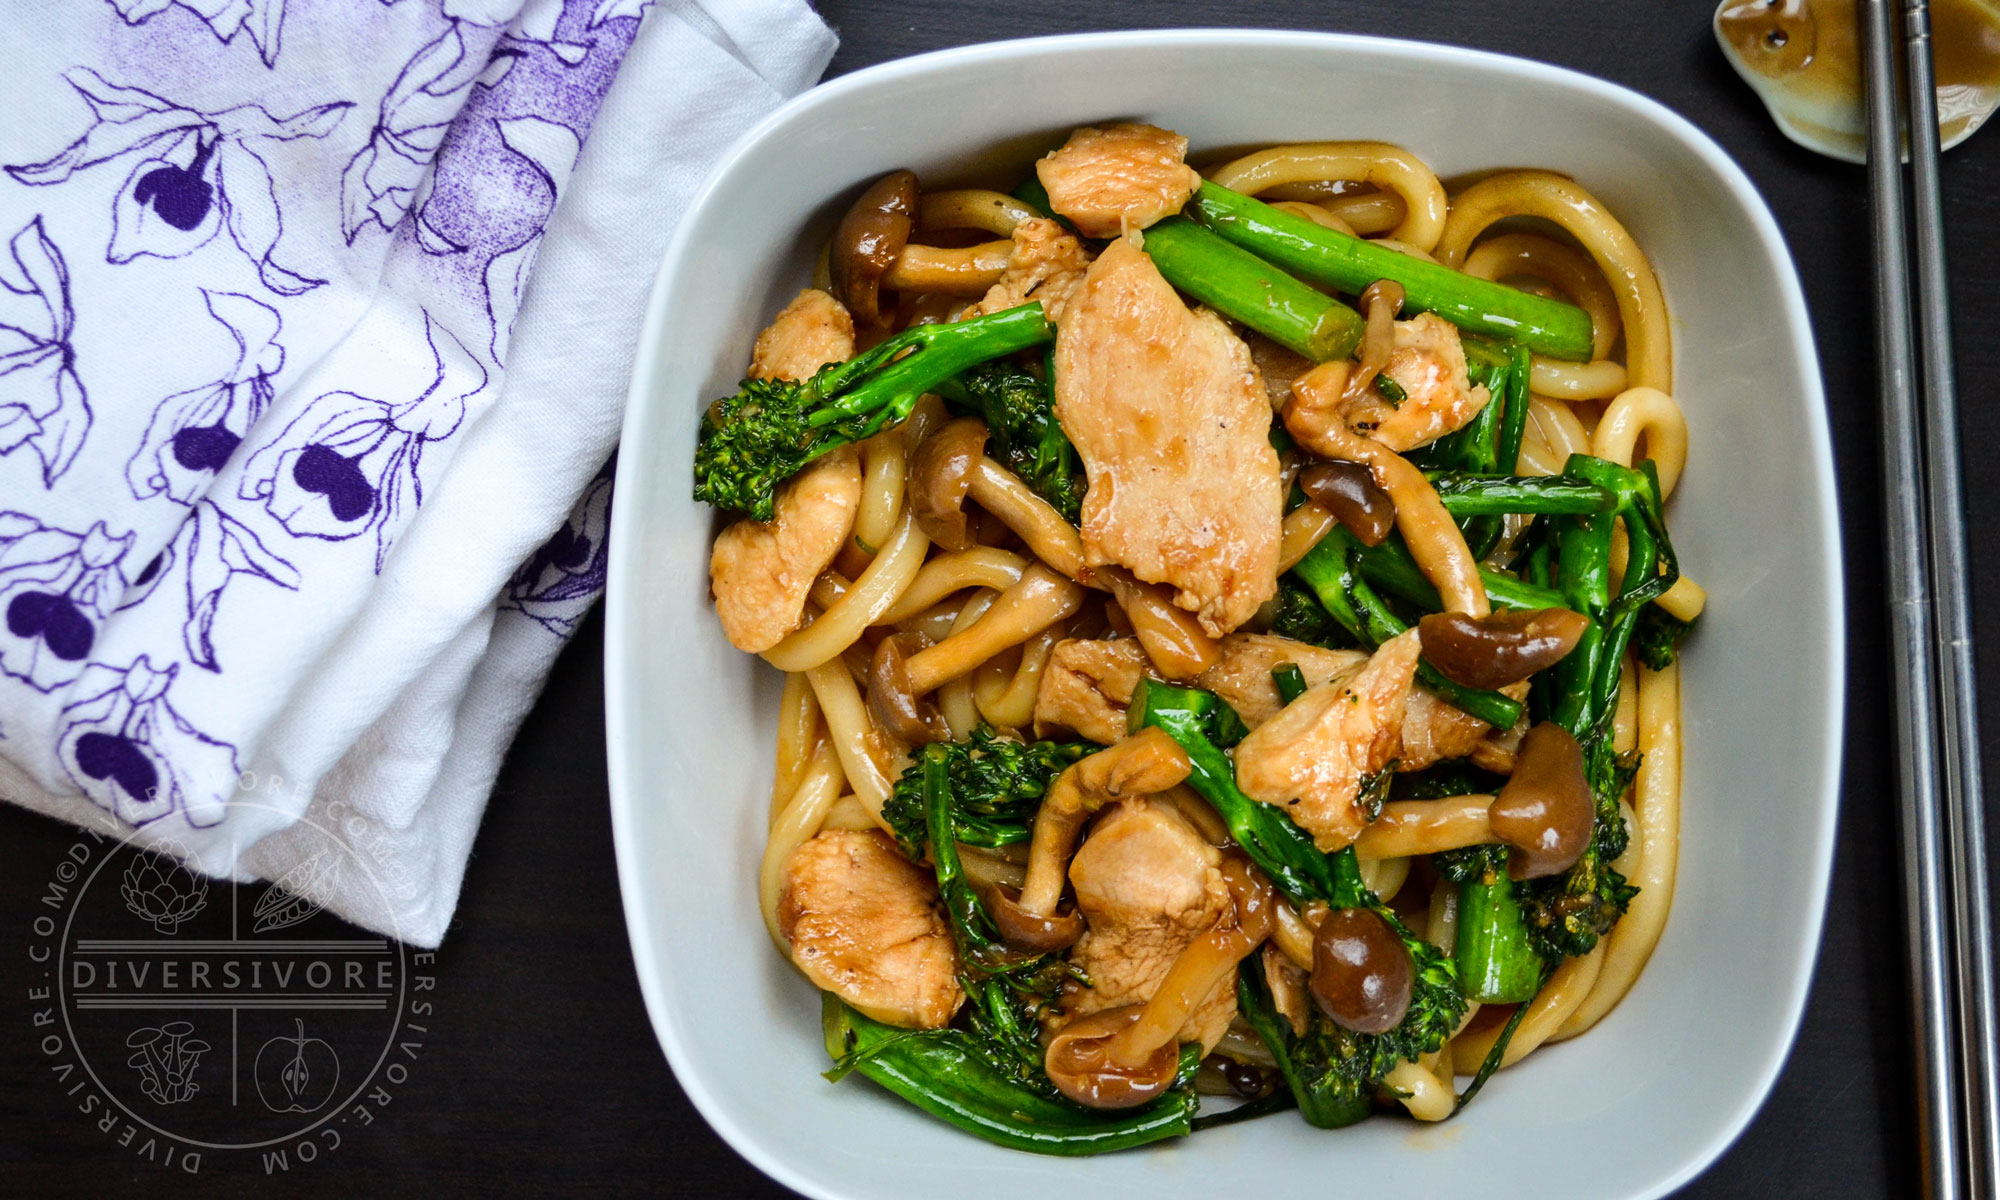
(296, 1074)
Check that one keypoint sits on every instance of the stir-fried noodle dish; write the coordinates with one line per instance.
(1229, 631)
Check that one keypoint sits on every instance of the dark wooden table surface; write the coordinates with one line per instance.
(541, 1074)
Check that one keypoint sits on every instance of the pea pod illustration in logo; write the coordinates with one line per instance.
(296, 1074)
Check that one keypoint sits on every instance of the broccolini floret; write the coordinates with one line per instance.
(1022, 432)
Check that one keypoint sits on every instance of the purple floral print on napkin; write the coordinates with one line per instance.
(562, 579)
(125, 747)
(218, 548)
(263, 20)
(200, 174)
(43, 405)
(349, 464)
(194, 433)
(56, 588)
(393, 170)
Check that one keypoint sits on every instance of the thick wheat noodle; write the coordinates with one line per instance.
(1314, 213)
(1642, 308)
(1369, 213)
(840, 626)
(1053, 540)
(852, 733)
(1625, 718)
(1012, 704)
(885, 460)
(1562, 995)
(934, 623)
(1570, 270)
(848, 815)
(990, 680)
(1303, 528)
(1388, 167)
(1409, 827)
(954, 699)
(1561, 429)
(1536, 456)
(1658, 793)
(798, 737)
(972, 208)
(1652, 414)
(1599, 379)
(954, 571)
(1421, 1093)
(965, 271)
(1441, 924)
(802, 817)
(1038, 601)
(1385, 876)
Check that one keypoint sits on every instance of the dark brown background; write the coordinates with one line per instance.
(543, 1076)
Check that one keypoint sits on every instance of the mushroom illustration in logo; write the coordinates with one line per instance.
(166, 1057)
(157, 889)
(296, 1074)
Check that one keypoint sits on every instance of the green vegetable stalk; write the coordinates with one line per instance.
(942, 1072)
(1239, 285)
(752, 442)
(1023, 434)
(1333, 259)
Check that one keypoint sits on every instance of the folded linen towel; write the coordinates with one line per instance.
(310, 363)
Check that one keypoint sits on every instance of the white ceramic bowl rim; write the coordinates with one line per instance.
(625, 786)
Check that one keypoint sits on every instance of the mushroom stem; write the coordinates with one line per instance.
(1206, 961)
(1170, 635)
(1147, 762)
(1033, 519)
(1040, 600)
(967, 271)
(1409, 827)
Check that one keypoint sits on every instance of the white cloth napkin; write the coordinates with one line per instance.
(315, 323)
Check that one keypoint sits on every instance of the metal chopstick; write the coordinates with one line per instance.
(1938, 1094)
(1958, 719)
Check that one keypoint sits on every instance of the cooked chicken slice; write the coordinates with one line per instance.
(1047, 264)
(1147, 886)
(1172, 424)
(1500, 748)
(1434, 730)
(862, 922)
(1428, 363)
(1118, 178)
(760, 572)
(1087, 685)
(810, 332)
(1242, 675)
(1312, 757)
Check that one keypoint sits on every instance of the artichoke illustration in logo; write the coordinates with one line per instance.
(166, 1057)
(162, 892)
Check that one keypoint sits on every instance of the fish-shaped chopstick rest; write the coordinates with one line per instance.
(1803, 57)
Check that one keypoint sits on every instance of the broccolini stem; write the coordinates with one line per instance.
(1330, 571)
(1333, 259)
(1496, 962)
(1498, 495)
(939, 1071)
(1323, 1106)
(937, 352)
(1290, 681)
(1239, 285)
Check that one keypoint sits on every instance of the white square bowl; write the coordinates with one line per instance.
(1638, 1106)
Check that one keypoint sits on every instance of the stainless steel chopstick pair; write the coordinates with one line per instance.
(1943, 822)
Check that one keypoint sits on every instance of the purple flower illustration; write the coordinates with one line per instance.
(127, 749)
(562, 579)
(193, 433)
(219, 548)
(612, 10)
(552, 149)
(56, 588)
(534, 21)
(384, 177)
(349, 464)
(263, 20)
(200, 174)
(43, 405)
